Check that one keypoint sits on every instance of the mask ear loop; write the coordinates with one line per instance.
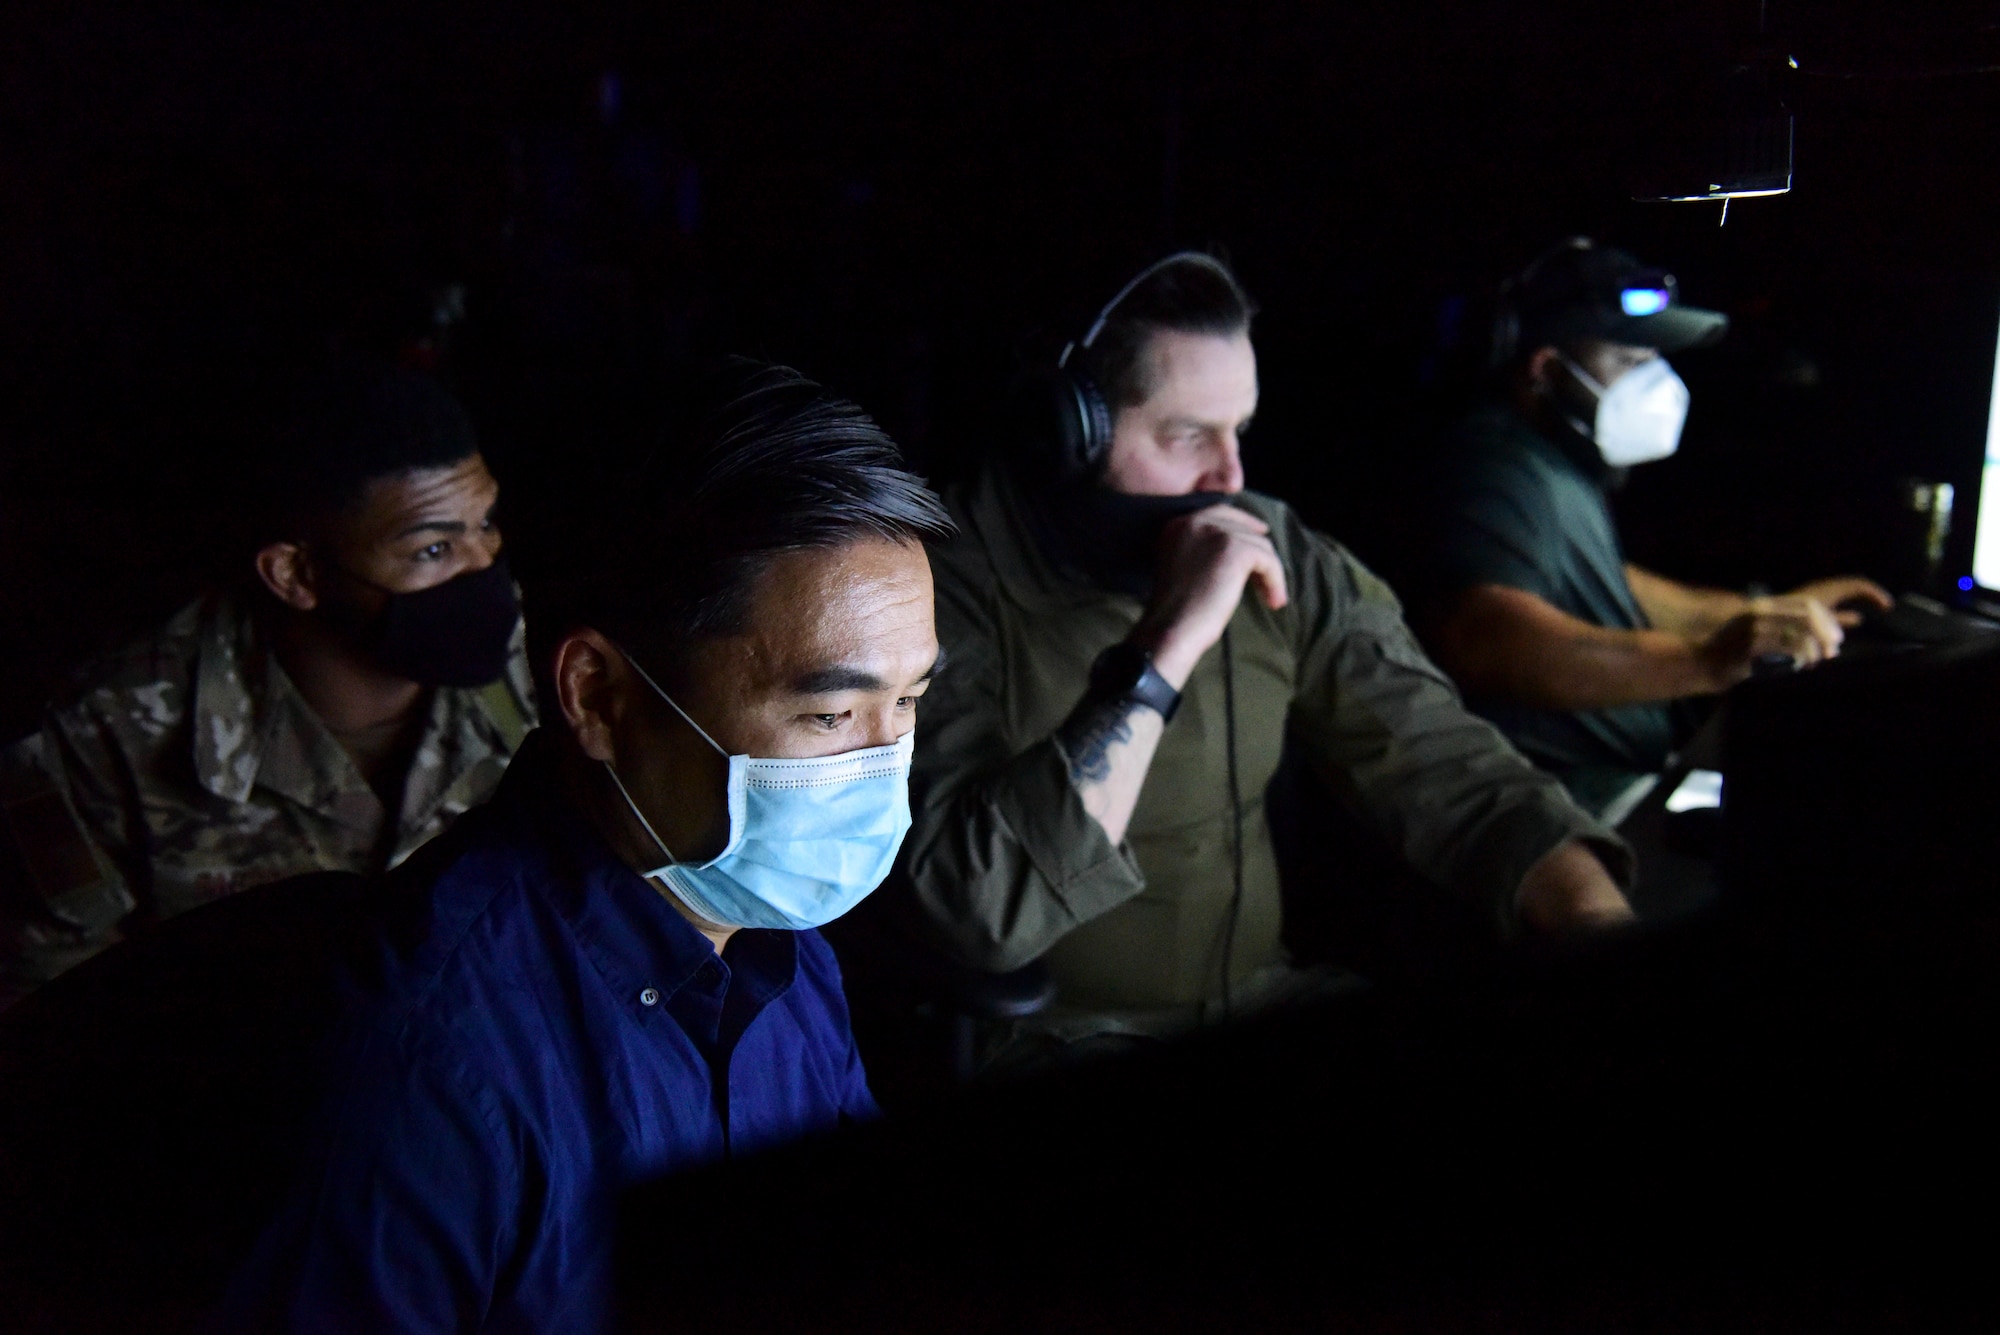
(627, 795)
(646, 677)
(624, 792)
(1586, 377)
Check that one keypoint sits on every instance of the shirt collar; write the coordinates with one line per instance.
(252, 727)
(232, 683)
(1568, 451)
(644, 949)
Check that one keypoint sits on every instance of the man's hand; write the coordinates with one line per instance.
(1832, 593)
(1206, 559)
(1801, 629)
(1803, 625)
(1569, 890)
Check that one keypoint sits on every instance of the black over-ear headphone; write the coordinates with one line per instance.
(1507, 333)
(1066, 436)
(1066, 419)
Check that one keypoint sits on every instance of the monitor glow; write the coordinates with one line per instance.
(1986, 535)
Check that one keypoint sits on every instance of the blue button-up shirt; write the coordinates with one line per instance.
(547, 1031)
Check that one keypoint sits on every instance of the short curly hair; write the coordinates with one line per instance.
(346, 424)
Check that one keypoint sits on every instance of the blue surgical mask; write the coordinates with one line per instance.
(808, 839)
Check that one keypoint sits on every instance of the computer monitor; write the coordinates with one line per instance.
(1986, 535)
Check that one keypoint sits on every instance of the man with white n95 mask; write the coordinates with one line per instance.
(612, 971)
(1571, 650)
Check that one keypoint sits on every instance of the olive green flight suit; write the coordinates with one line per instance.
(1005, 864)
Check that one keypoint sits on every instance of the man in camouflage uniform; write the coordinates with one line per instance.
(332, 716)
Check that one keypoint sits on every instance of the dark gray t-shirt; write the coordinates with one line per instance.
(1519, 510)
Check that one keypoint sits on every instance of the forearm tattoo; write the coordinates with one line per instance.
(1088, 735)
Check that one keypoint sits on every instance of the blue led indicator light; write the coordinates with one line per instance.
(1965, 582)
(1644, 300)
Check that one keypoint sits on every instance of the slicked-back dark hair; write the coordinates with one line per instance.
(1189, 296)
(754, 460)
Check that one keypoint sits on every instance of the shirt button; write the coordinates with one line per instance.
(649, 996)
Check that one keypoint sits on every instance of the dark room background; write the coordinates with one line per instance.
(907, 201)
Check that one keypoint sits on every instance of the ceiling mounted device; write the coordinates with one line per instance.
(1735, 143)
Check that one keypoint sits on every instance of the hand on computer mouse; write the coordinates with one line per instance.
(1818, 616)
(1801, 629)
(1850, 596)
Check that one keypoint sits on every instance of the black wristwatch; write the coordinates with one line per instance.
(1126, 672)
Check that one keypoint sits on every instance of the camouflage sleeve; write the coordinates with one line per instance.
(62, 895)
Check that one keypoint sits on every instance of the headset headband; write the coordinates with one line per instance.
(1507, 304)
(1110, 307)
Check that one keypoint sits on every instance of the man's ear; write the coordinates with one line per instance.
(1541, 368)
(288, 573)
(587, 671)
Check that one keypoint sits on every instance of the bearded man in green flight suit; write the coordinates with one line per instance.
(1132, 636)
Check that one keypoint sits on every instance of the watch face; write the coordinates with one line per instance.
(1119, 669)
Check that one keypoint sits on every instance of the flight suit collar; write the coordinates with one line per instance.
(230, 725)
(462, 731)
(253, 729)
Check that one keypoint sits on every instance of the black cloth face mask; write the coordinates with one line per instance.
(452, 634)
(1109, 538)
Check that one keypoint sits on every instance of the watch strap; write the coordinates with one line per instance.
(1126, 672)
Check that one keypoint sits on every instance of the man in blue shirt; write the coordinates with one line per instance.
(609, 970)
